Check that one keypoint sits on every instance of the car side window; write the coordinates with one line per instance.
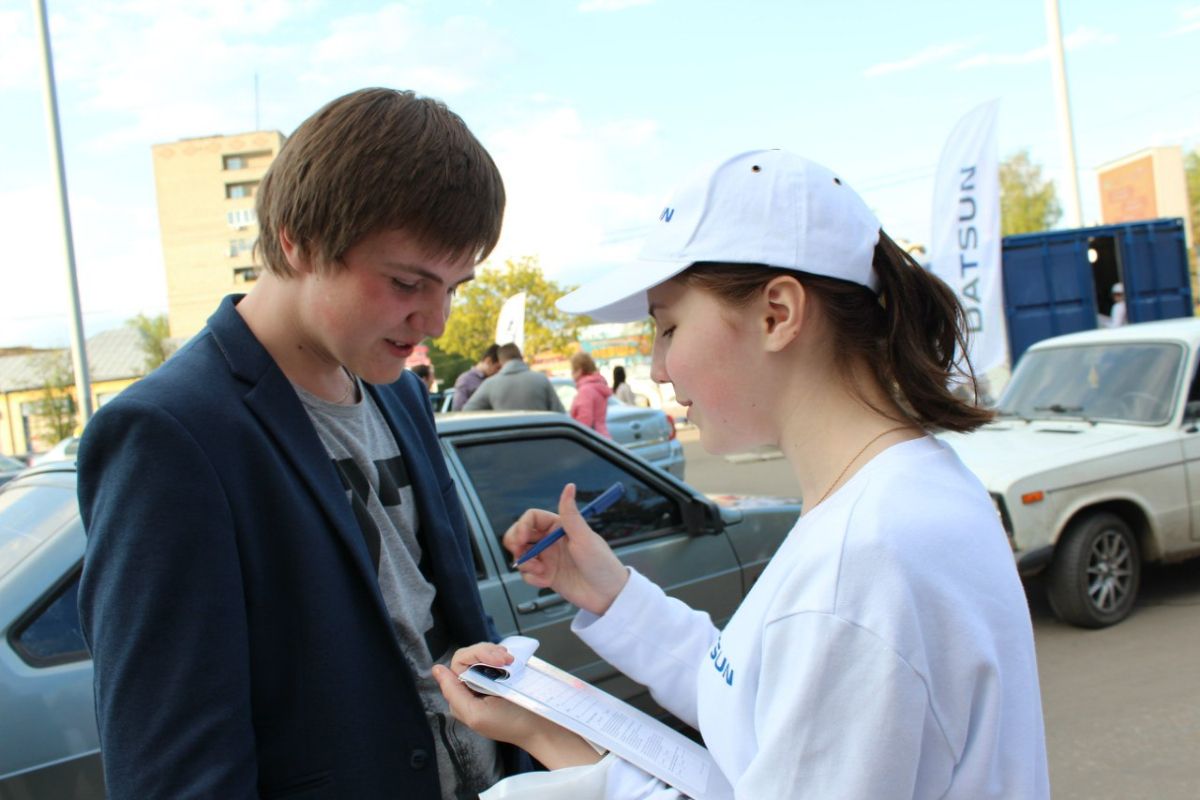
(50, 633)
(1194, 390)
(512, 476)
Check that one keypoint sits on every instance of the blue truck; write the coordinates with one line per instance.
(1059, 282)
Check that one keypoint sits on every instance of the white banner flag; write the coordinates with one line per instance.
(965, 241)
(510, 327)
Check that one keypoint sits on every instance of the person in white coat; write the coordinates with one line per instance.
(886, 651)
(1117, 317)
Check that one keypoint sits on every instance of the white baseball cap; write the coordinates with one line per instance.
(761, 207)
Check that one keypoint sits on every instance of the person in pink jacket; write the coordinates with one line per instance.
(590, 406)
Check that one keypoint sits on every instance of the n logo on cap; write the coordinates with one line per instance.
(666, 214)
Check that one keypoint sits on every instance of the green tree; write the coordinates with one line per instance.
(55, 409)
(476, 308)
(1027, 202)
(448, 366)
(155, 333)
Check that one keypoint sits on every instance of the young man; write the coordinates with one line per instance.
(468, 382)
(276, 554)
(515, 387)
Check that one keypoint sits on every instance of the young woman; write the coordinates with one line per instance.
(621, 388)
(590, 405)
(886, 651)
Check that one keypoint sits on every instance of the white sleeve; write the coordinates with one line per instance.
(657, 640)
(627, 782)
(1118, 314)
(838, 714)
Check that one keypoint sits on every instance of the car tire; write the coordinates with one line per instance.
(1096, 572)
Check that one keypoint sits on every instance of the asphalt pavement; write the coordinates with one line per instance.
(1122, 705)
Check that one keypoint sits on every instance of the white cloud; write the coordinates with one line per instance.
(1189, 22)
(392, 47)
(588, 6)
(1076, 40)
(1004, 59)
(562, 205)
(163, 71)
(34, 274)
(19, 58)
(132, 73)
(1177, 136)
(1086, 37)
(118, 265)
(929, 55)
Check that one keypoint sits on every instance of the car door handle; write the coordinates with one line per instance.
(550, 600)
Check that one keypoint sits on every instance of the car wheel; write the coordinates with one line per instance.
(1096, 571)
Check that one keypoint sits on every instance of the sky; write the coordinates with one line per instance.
(592, 109)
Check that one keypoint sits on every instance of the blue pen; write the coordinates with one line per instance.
(598, 506)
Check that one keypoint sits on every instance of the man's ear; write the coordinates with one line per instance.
(295, 254)
(784, 301)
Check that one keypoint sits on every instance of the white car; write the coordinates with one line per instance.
(1094, 462)
(65, 450)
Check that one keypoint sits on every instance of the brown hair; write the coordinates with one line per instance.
(508, 352)
(907, 334)
(583, 362)
(374, 160)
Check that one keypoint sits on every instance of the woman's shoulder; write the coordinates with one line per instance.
(922, 486)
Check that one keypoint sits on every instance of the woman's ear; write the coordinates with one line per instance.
(784, 304)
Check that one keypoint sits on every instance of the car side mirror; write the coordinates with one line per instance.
(1191, 412)
(700, 516)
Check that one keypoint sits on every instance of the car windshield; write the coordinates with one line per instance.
(8, 464)
(1111, 382)
(28, 517)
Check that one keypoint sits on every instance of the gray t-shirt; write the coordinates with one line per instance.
(379, 489)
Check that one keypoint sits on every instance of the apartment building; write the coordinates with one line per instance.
(205, 188)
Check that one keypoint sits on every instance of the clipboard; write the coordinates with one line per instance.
(602, 719)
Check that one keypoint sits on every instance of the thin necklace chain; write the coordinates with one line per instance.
(350, 390)
(850, 463)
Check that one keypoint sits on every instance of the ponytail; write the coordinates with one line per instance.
(925, 328)
(907, 335)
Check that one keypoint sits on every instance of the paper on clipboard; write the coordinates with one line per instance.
(602, 719)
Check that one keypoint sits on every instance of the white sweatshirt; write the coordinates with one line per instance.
(885, 652)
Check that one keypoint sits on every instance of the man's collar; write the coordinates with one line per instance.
(516, 365)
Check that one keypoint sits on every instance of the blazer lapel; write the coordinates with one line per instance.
(273, 401)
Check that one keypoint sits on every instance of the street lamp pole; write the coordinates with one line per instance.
(1058, 66)
(78, 349)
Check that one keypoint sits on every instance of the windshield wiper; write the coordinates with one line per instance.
(1059, 408)
(1003, 412)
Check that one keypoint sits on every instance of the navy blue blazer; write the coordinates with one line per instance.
(241, 644)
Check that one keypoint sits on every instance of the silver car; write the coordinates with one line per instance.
(10, 468)
(649, 432)
(706, 552)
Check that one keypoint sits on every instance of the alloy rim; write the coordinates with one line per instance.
(1110, 571)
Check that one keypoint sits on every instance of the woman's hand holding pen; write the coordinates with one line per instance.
(582, 568)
